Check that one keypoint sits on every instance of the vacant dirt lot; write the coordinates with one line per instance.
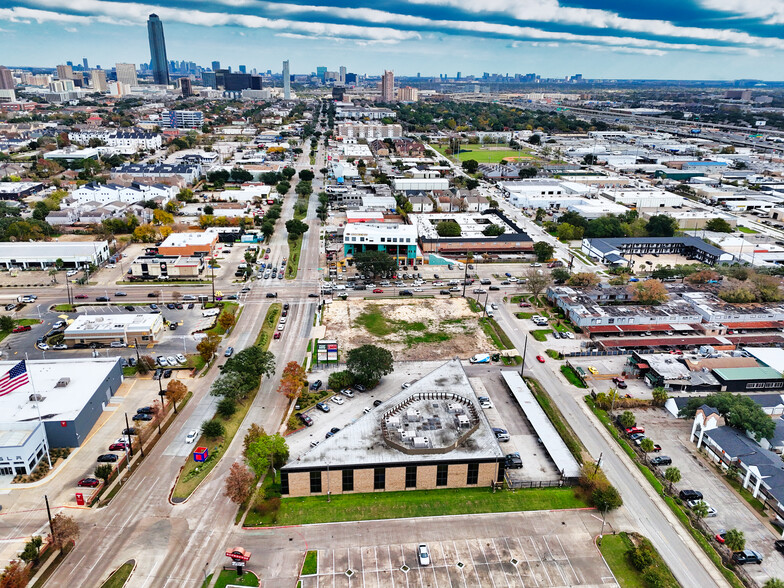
(430, 329)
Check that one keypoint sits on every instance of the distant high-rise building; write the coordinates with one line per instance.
(215, 65)
(408, 94)
(85, 64)
(337, 93)
(126, 73)
(6, 79)
(185, 87)
(208, 79)
(98, 78)
(321, 73)
(65, 72)
(286, 81)
(243, 69)
(388, 86)
(351, 78)
(458, 75)
(342, 77)
(159, 63)
(69, 64)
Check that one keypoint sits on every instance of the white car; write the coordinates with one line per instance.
(423, 554)
(43, 346)
(191, 436)
(348, 393)
(338, 399)
(162, 361)
(70, 273)
(283, 320)
(171, 360)
(417, 289)
(181, 358)
(281, 327)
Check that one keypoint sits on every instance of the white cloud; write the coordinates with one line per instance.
(770, 11)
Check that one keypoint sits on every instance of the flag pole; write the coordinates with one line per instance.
(38, 409)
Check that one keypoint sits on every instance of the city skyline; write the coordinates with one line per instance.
(702, 39)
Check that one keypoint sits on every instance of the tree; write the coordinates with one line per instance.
(536, 281)
(296, 228)
(226, 407)
(185, 195)
(208, 346)
(735, 540)
(493, 230)
(627, 419)
(254, 433)
(369, 363)
(252, 360)
(647, 446)
(239, 483)
(584, 280)
(6, 323)
(213, 429)
(540, 214)
(773, 583)
(590, 159)
(290, 172)
(703, 277)
(282, 188)
(606, 499)
(543, 250)
(340, 380)
(738, 411)
(566, 232)
(226, 320)
(234, 385)
(472, 183)
(266, 451)
(661, 225)
(448, 228)
(103, 471)
(65, 531)
(32, 551)
(560, 275)
(292, 380)
(700, 510)
(306, 175)
(161, 217)
(672, 475)
(648, 292)
(659, 396)
(718, 225)
(208, 210)
(176, 295)
(15, 575)
(175, 391)
(470, 166)
(375, 263)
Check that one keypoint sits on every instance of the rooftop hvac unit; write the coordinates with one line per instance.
(409, 434)
(36, 398)
(62, 382)
(421, 442)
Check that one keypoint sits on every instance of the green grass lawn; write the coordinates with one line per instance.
(484, 154)
(311, 564)
(417, 503)
(614, 548)
(496, 334)
(270, 324)
(541, 334)
(375, 323)
(747, 230)
(573, 378)
(226, 307)
(228, 577)
(64, 308)
(18, 323)
(292, 264)
(119, 577)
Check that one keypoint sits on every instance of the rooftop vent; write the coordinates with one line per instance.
(62, 382)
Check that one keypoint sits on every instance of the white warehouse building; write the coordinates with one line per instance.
(106, 193)
(42, 254)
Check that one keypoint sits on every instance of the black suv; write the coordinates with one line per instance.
(306, 420)
(747, 556)
(316, 385)
(687, 495)
(513, 461)
(661, 460)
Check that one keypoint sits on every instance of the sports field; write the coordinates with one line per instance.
(485, 153)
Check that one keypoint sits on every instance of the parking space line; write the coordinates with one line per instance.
(487, 563)
(544, 567)
(568, 560)
(499, 561)
(473, 563)
(391, 568)
(362, 563)
(403, 559)
(517, 568)
(555, 561)
(375, 555)
(528, 561)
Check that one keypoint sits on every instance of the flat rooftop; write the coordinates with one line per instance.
(439, 398)
(111, 323)
(60, 403)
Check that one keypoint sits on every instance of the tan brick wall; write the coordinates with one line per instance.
(456, 475)
(299, 484)
(363, 480)
(395, 479)
(426, 477)
(332, 483)
(488, 472)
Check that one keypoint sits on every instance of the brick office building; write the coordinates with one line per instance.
(432, 435)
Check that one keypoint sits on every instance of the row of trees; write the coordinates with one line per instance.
(573, 226)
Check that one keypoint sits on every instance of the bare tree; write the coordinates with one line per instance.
(239, 483)
(65, 531)
(537, 280)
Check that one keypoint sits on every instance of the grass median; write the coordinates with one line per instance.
(416, 503)
(292, 265)
(270, 324)
(571, 375)
(120, 576)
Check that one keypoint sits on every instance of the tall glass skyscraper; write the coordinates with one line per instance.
(159, 63)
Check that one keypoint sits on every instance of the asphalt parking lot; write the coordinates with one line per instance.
(608, 367)
(733, 511)
(527, 560)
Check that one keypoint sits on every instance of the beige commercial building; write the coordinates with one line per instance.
(431, 435)
(113, 328)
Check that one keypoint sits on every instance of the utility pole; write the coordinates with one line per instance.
(136, 348)
(49, 515)
(128, 434)
(525, 349)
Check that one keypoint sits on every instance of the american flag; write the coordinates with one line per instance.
(14, 378)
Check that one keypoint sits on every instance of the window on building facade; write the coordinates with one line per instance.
(379, 479)
(442, 475)
(315, 482)
(348, 480)
(411, 476)
(284, 482)
(473, 473)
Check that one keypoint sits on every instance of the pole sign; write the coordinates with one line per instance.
(238, 555)
(327, 351)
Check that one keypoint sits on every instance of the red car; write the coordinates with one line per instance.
(633, 430)
(721, 536)
(88, 483)
(656, 448)
(21, 329)
(540, 359)
(276, 335)
(118, 447)
(525, 304)
(378, 291)
(80, 296)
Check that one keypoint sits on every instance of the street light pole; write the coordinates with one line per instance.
(525, 349)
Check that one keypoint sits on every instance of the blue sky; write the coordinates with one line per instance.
(673, 39)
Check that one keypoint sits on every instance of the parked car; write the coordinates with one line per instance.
(721, 536)
(377, 403)
(338, 399)
(88, 483)
(141, 417)
(747, 556)
(360, 388)
(540, 359)
(192, 435)
(108, 458)
(60, 346)
(129, 431)
(21, 329)
(593, 370)
(347, 392)
(145, 410)
(316, 385)
(306, 420)
(229, 352)
(501, 434)
(181, 358)
(634, 430)
(689, 495)
(513, 461)
(119, 446)
(661, 460)
(276, 335)
(323, 406)
(167, 373)
(423, 553)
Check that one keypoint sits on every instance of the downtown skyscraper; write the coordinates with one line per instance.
(159, 63)
(286, 81)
